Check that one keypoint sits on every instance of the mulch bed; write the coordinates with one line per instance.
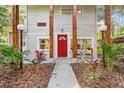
(26, 77)
(101, 78)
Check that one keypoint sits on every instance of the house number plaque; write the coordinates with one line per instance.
(41, 24)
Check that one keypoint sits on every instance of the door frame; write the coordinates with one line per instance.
(68, 44)
(59, 35)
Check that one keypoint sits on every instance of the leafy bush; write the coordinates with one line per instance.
(39, 57)
(11, 55)
(121, 56)
(99, 52)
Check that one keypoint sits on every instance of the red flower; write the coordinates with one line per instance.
(40, 54)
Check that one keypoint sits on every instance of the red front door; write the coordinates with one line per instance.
(62, 45)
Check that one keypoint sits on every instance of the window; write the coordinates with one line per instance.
(79, 11)
(44, 43)
(84, 43)
(66, 11)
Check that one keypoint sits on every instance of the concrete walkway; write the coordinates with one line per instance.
(63, 77)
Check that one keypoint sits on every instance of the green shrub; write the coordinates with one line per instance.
(112, 53)
(99, 52)
(11, 55)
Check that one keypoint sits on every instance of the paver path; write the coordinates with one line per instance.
(63, 77)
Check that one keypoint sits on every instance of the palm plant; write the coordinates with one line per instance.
(11, 55)
(112, 53)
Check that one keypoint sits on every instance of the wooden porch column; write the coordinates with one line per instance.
(107, 23)
(51, 25)
(74, 34)
(15, 21)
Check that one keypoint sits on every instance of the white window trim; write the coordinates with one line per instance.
(38, 47)
(92, 38)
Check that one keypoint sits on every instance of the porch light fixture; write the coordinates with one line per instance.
(102, 28)
(62, 30)
(21, 28)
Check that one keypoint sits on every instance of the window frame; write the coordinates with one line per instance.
(67, 9)
(38, 43)
(92, 38)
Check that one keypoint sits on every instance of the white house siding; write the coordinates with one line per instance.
(37, 14)
(86, 25)
(65, 23)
